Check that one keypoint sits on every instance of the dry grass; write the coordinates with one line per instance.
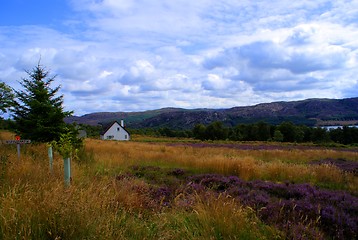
(35, 204)
(221, 218)
(48, 210)
(6, 135)
(275, 165)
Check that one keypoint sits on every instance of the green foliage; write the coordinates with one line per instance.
(288, 129)
(285, 132)
(260, 131)
(64, 145)
(264, 132)
(216, 131)
(92, 131)
(6, 124)
(38, 112)
(199, 132)
(319, 135)
(278, 136)
(68, 144)
(72, 130)
(6, 97)
(345, 135)
(162, 132)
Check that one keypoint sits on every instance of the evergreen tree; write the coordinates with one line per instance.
(38, 112)
(288, 131)
(216, 131)
(6, 97)
(199, 132)
(264, 131)
(277, 136)
(254, 132)
(320, 135)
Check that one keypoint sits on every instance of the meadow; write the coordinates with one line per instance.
(152, 188)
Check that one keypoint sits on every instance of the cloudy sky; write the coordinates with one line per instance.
(133, 55)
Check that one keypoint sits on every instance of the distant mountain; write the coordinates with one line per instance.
(309, 112)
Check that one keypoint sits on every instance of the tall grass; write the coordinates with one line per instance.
(274, 165)
(35, 204)
(101, 208)
(220, 218)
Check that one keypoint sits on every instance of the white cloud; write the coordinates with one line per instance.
(105, 74)
(215, 82)
(128, 55)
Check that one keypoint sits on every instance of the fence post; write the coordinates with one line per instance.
(50, 156)
(18, 151)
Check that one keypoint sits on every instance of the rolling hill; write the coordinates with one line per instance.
(309, 112)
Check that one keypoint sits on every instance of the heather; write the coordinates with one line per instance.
(141, 190)
(341, 163)
(289, 206)
(301, 211)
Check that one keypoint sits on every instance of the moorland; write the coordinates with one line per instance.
(156, 188)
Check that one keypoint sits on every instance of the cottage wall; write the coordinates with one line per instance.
(116, 132)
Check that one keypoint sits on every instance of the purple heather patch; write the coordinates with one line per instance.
(302, 211)
(334, 212)
(341, 163)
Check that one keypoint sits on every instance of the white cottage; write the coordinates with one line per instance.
(115, 131)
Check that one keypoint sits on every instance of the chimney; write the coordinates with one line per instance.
(122, 123)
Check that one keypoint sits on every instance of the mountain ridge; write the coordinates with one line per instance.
(311, 112)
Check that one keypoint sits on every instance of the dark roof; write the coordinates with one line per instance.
(107, 126)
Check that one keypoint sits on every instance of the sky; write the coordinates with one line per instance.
(137, 55)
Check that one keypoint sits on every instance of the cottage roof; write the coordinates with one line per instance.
(108, 126)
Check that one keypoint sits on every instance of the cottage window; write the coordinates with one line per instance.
(118, 129)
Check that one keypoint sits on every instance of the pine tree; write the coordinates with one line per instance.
(38, 112)
(6, 97)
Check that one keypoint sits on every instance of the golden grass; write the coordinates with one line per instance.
(35, 204)
(221, 218)
(6, 135)
(54, 211)
(112, 157)
(274, 165)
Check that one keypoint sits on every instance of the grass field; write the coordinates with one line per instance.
(150, 188)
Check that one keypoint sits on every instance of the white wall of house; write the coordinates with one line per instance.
(116, 132)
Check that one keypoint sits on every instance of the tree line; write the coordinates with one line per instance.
(260, 131)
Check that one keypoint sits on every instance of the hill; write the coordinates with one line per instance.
(309, 112)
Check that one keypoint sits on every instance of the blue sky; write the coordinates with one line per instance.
(134, 55)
